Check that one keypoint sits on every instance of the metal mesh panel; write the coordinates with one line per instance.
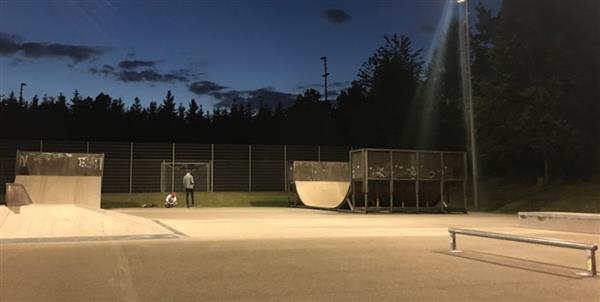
(302, 152)
(379, 165)
(64, 146)
(320, 171)
(357, 164)
(268, 170)
(404, 165)
(430, 166)
(192, 152)
(454, 168)
(231, 168)
(8, 149)
(172, 176)
(334, 153)
(116, 165)
(147, 158)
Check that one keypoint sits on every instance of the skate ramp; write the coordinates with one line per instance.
(16, 195)
(321, 184)
(322, 194)
(50, 189)
(69, 220)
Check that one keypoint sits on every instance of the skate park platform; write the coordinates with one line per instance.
(52, 222)
(561, 221)
(56, 197)
(287, 254)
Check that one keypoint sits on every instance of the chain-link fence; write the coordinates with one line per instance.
(140, 167)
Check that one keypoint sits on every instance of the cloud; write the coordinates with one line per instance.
(427, 28)
(133, 64)
(146, 75)
(205, 87)
(339, 84)
(12, 45)
(267, 96)
(336, 16)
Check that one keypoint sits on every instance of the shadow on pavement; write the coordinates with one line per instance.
(519, 263)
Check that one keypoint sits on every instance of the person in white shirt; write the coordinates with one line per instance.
(171, 200)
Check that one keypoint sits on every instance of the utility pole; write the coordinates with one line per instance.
(325, 74)
(468, 95)
(21, 92)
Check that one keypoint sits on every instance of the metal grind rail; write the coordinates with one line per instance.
(589, 248)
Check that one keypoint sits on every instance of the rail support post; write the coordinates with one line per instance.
(453, 242)
(591, 262)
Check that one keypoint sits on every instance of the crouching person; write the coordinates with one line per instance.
(171, 200)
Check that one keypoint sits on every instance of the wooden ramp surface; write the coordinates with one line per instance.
(322, 194)
(45, 189)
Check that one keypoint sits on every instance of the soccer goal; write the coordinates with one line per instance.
(171, 176)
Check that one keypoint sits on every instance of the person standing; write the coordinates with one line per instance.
(188, 184)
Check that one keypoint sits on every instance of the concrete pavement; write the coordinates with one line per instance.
(252, 254)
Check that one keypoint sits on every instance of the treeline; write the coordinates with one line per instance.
(535, 71)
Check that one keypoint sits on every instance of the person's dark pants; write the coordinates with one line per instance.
(189, 192)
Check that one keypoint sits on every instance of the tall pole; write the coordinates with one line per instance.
(21, 92)
(468, 94)
(325, 74)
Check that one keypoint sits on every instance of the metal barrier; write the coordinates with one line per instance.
(590, 248)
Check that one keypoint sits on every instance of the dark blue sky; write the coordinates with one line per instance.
(207, 50)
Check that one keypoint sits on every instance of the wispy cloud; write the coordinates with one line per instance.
(335, 85)
(336, 16)
(146, 75)
(267, 96)
(133, 64)
(12, 45)
(205, 87)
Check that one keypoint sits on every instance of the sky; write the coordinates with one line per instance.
(211, 51)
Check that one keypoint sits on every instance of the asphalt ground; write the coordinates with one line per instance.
(267, 254)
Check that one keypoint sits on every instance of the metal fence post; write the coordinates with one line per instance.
(285, 172)
(417, 189)
(87, 147)
(591, 262)
(249, 168)
(173, 169)
(442, 177)
(130, 166)
(452, 241)
(41, 145)
(212, 167)
(319, 153)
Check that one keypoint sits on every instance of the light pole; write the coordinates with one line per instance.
(325, 74)
(21, 92)
(468, 98)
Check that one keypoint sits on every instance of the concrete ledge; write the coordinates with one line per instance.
(88, 238)
(561, 221)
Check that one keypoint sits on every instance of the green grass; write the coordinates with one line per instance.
(511, 198)
(203, 199)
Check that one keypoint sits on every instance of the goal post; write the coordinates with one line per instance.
(171, 175)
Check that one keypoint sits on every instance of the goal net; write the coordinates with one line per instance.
(171, 176)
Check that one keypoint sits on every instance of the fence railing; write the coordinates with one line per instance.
(136, 167)
(590, 248)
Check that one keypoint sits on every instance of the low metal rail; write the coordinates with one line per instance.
(589, 248)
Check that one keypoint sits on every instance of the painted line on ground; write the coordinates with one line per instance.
(170, 228)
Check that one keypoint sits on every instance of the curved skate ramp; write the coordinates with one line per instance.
(322, 194)
(37, 221)
(321, 184)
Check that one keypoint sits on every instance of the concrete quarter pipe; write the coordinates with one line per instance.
(322, 185)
